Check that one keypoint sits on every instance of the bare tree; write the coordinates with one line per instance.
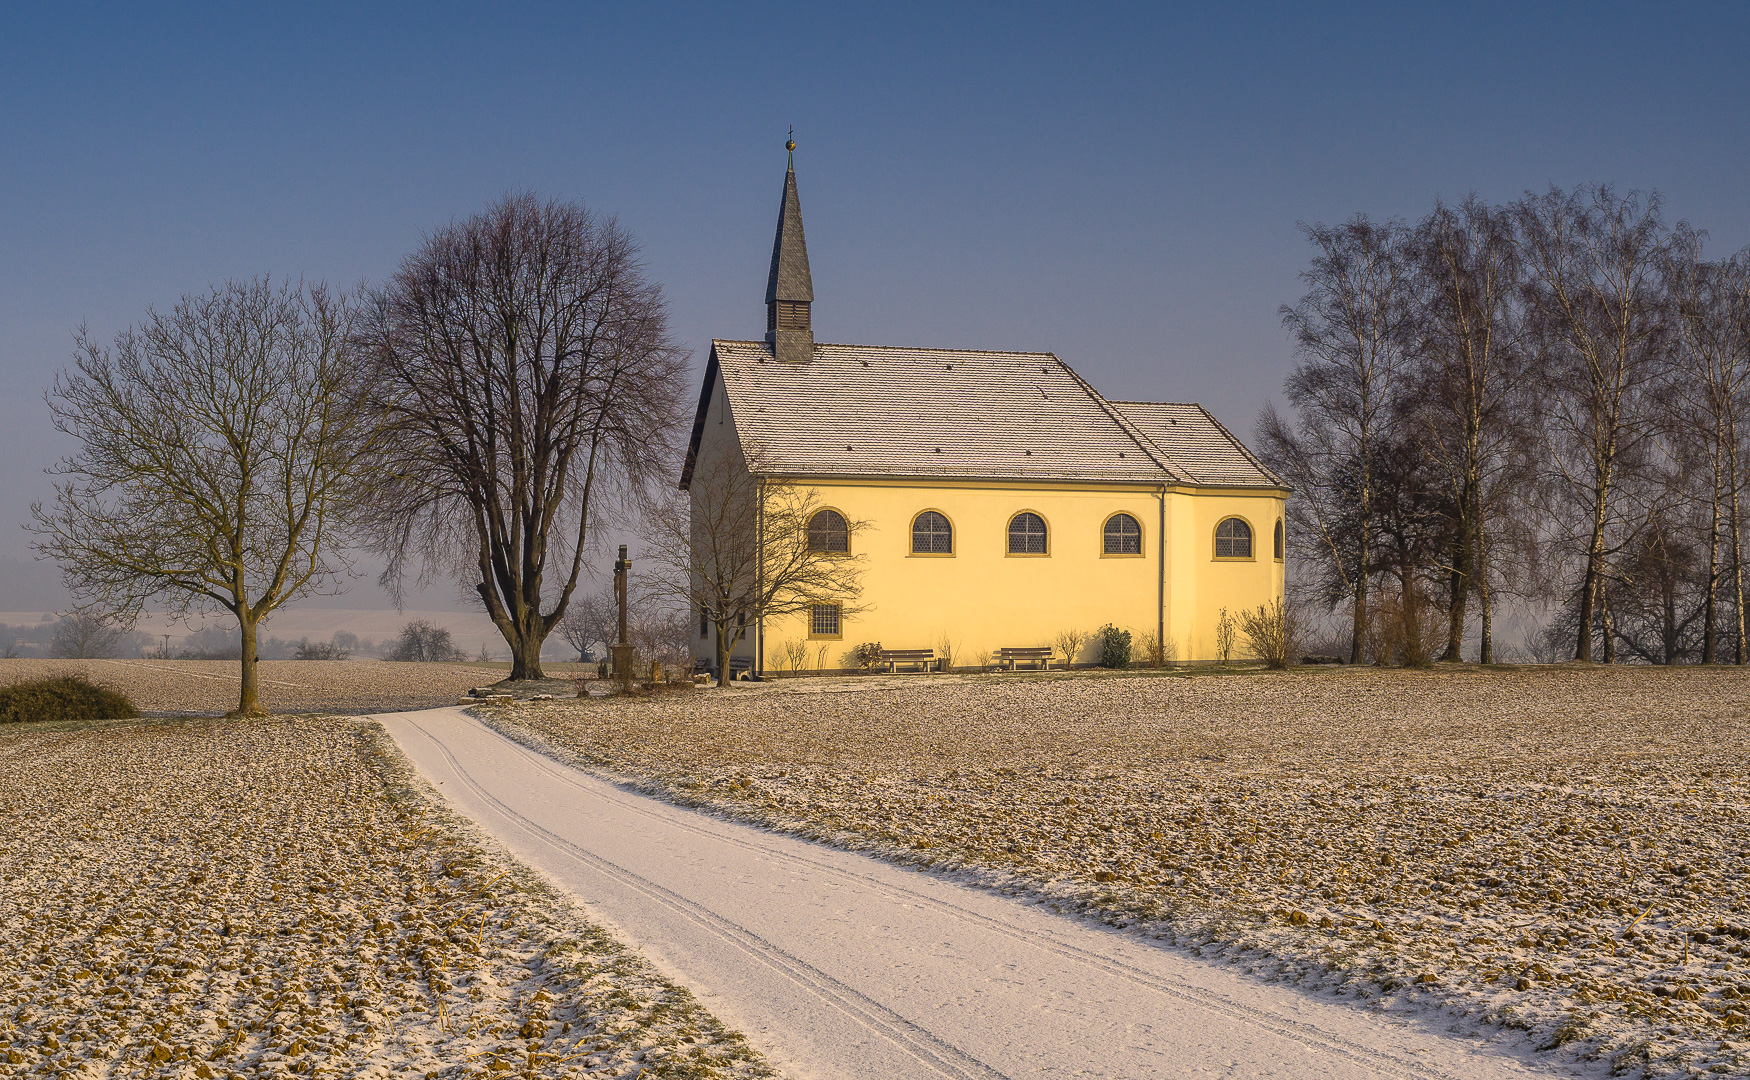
(593, 620)
(1350, 333)
(331, 649)
(736, 549)
(1593, 260)
(423, 642)
(663, 636)
(1272, 633)
(1468, 378)
(85, 635)
(1070, 643)
(1711, 308)
(220, 449)
(525, 375)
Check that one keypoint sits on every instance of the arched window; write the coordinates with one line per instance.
(1026, 534)
(1233, 540)
(1279, 539)
(827, 531)
(1123, 536)
(931, 534)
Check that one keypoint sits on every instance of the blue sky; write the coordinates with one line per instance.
(1119, 184)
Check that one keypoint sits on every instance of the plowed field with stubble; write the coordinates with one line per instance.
(209, 687)
(1563, 850)
(224, 899)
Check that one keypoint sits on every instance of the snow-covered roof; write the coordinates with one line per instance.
(865, 410)
(1197, 444)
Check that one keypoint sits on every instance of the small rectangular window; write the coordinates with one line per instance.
(823, 620)
(704, 621)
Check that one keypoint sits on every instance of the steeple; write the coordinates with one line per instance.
(789, 287)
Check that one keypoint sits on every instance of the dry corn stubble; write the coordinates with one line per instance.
(1479, 840)
(196, 687)
(208, 898)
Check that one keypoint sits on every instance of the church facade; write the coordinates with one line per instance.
(1001, 499)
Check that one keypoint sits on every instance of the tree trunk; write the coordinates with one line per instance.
(1594, 582)
(1737, 558)
(249, 685)
(525, 658)
(1604, 618)
(1668, 602)
(1710, 635)
(1464, 563)
(1486, 648)
(727, 639)
(1358, 633)
(1460, 589)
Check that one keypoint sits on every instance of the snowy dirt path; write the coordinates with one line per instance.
(839, 967)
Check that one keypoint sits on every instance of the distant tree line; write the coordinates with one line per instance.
(1538, 402)
(87, 636)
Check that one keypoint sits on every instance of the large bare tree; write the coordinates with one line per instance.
(1350, 333)
(524, 373)
(220, 448)
(740, 547)
(1593, 259)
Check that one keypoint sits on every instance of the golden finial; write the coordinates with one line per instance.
(790, 143)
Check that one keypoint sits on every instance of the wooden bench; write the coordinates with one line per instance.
(739, 666)
(924, 658)
(1040, 656)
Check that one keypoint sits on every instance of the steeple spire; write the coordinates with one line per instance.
(789, 287)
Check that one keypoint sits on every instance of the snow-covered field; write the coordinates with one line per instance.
(209, 899)
(1561, 850)
(210, 686)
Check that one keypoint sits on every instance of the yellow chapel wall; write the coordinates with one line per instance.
(983, 598)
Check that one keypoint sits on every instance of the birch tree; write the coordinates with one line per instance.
(1711, 316)
(1350, 332)
(1593, 260)
(1468, 377)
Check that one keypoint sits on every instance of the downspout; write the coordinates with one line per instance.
(1161, 588)
(759, 622)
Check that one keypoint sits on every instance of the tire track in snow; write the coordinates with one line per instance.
(1306, 1034)
(942, 1057)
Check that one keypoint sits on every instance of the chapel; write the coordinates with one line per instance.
(1000, 498)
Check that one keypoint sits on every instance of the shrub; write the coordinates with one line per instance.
(1070, 643)
(1271, 632)
(1114, 646)
(1153, 651)
(422, 642)
(1403, 629)
(63, 697)
(1224, 636)
(867, 656)
(321, 650)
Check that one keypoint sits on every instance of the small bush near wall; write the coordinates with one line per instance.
(1114, 646)
(64, 697)
(867, 656)
(1272, 633)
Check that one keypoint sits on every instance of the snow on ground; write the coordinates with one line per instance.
(210, 899)
(1559, 850)
(197, 687)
